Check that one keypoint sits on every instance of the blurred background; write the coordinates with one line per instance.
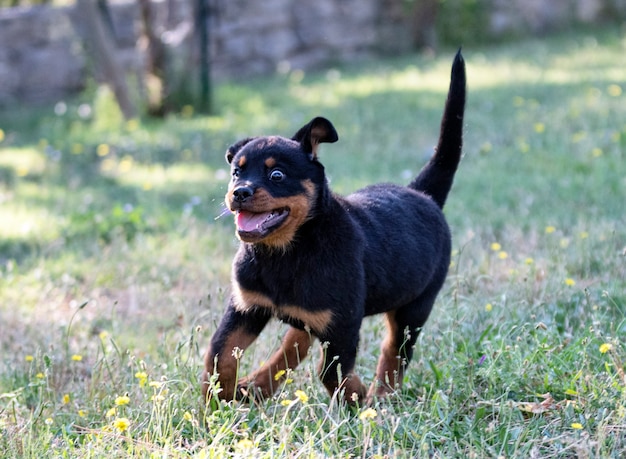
(175, 48)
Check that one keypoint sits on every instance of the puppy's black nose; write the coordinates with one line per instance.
(242, 193)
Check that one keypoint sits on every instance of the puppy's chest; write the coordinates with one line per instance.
(282, 295)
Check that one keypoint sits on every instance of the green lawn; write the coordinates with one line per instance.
(115, 256)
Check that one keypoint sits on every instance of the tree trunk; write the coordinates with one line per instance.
(104, 55)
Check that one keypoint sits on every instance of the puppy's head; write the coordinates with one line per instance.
(275, 181)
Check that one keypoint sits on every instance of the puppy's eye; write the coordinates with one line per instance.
(235, 173)
(276, 175)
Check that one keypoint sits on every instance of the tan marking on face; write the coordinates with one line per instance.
(242, 161)
(299, 210)
(262, 201)
(270, 162)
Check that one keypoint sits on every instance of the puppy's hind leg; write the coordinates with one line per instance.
(403, 327)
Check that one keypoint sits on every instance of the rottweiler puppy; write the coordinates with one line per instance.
(322, 262)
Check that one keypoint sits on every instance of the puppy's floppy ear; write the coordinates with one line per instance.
(317, 131)
(233, 149)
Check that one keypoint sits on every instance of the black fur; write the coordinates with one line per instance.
(322, 262)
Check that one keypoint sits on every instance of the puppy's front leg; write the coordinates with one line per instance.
(234, 334)
(337, 365)
(294, 348)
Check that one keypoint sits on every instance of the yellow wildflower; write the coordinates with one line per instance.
(495, 246)
(279, 374)
(111, 412)
(29, 358)
(77, 357)
(488, 307)
(550, 229)
(369, 413)
(122, 400)
(121, 424)
(66, 399)
(302, 396)
(187, 416)
(142, 377)
(570, 282)
(605, 347)
(576, 425)
(245, 444)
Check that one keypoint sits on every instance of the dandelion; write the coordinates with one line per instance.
(502, 255)
(285, 402)
(279, 374)
(103, 149)
(122, 400)
(495, 246)
(111, 412)
(605, 347)
(155, 384)
(103, 334)
(187, 416)
(121, 424)
(576, 425)
(82, 413)
(302, 396)
(142, 377)
(244, 445)
(369, 413)
(77, 357)
(550, 229)
(539, 128)
(570, 282)
(488, 307)
(529, 261)
(49, 421)
(29, 358)
(66, 399)
(40, 375)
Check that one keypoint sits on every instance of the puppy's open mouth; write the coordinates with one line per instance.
(254, 226)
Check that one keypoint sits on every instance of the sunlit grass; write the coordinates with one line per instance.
(114, 266)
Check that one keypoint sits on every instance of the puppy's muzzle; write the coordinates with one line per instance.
(242, 194)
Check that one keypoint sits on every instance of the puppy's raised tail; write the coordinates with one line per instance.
(436, 178)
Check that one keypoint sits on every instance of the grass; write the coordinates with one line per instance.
(115, 258)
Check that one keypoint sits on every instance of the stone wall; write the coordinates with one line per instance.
(42, 56)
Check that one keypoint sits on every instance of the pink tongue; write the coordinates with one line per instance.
(249, 221)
